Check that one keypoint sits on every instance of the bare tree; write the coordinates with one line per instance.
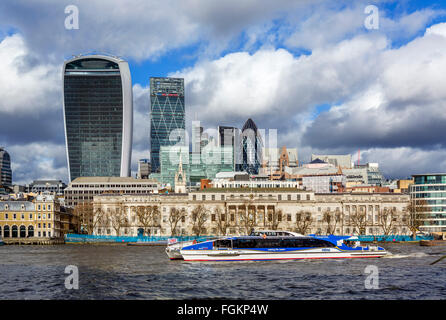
(222, 220)
(199, 217)
(359, 220)
(119, 219)
(274, 219)
(304, 220)
(387, 220)
(88, 216)
(175, 216)
(247, 218)
(148, 217)
(413, 217)
(331, 218)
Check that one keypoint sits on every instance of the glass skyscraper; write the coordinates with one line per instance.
(98, 112)
(5, 168)
(251, 144)
(166, 115)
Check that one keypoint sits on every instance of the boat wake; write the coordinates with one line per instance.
(410, 255)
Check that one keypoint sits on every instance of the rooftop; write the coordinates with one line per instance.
(110, 179)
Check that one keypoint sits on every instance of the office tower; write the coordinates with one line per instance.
(144, 168)
(5, 168)
(250, 148)
(229, 137)
(197, 131)
(167, 115)
(98, 112)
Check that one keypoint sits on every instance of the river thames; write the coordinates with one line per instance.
(130, 272)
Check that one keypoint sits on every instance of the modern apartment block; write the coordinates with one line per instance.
(429, 194)
(167, 114)
(51, 186)
(98, 112)
(83, 189)
(5, 168)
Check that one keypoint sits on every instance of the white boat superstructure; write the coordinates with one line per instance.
(260, 246)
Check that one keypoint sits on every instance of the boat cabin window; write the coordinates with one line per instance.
(269, 233)
(350, 243)
(223, 244)
(281, 243)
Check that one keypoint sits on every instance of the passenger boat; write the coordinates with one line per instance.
(275, 245)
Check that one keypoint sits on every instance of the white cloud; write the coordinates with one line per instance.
(24, 85)
(38, 161)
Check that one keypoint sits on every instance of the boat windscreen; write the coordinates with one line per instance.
(224, 243)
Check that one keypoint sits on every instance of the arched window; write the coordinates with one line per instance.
(0, 231)
(30, 231)
(6, 231)
(14, 231)
(22, 231)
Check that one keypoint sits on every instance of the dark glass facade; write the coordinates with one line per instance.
(5, 168)
(250, 154)
(93, 102)
(167, 113)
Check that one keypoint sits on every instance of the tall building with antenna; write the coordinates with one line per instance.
(98, 113)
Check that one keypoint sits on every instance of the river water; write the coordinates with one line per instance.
(126, 272)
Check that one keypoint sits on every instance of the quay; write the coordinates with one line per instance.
(33, 241)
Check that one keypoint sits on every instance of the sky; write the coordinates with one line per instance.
(314, 70)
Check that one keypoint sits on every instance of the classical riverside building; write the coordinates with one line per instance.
(83, 189)
(5, 168)
(98, 112)
(237, 211)
(167, 114)
(429, 192)
(40, 218)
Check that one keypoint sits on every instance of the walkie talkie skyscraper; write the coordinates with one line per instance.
(98, 112)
